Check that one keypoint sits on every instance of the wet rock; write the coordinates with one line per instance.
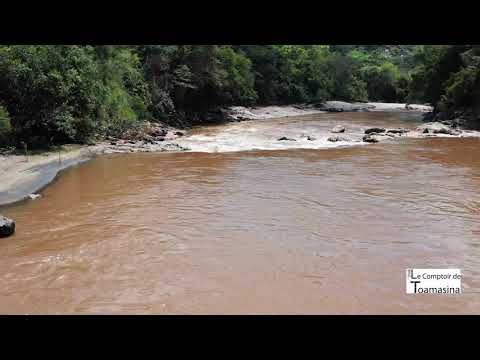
(148, 139)
(7, 226)
(179, 133)
(156, 131)
(397, 131)
(337, 138)
(338, 129)
(284, 138)
(370, 139)
(175, 147)
(308, 137)
(374, 131)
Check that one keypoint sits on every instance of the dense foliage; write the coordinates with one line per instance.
(57, 93)
(449, 78)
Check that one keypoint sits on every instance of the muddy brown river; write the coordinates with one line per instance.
(278, 229)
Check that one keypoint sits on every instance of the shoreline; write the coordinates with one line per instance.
(21, 178)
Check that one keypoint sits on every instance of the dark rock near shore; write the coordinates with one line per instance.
(284, 138)
(338, 129)
(7, 226)
(175, 147)
(374, 131)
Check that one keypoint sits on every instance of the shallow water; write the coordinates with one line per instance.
(328, 230)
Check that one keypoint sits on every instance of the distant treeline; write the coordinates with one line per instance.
(52, 94)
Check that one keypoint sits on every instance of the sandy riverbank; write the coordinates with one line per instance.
(21, 175)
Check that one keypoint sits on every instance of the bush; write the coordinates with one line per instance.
(5, 127)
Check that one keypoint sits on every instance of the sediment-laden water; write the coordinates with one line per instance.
(285, 227)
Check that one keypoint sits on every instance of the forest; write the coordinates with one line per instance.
(55, 94)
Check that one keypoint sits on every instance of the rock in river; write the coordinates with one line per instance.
(7, 226)
(374, 130)
(337, 138)
(370, 139)
(284, 138)
(397, 131)
(338, 129)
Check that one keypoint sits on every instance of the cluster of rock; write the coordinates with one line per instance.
(7, 226)
(465, 118)
(373, 135)
(155, 137)
(438, 128)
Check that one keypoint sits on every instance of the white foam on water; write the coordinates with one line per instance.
(244, 138)
(264, 134)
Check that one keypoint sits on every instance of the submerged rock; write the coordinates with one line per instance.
(284, 138)
(370, 139)
(174, 147)
(7, 226)
(374, 130)
(338, 129)
(397, 131)
(337, 138)
(308, 137)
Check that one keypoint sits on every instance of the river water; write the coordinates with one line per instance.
(284, 228)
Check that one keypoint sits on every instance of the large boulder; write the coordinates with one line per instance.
(374, 131)
(7, 226)
(338, 129)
